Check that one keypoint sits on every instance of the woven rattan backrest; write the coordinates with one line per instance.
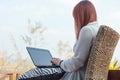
(101, 54)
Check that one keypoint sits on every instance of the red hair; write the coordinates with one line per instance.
(84, 12)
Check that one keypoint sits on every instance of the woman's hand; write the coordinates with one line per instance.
(56, 61)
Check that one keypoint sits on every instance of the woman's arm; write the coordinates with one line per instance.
(81, 51)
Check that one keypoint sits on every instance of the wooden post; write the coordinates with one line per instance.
(10, 76)
(17, 75)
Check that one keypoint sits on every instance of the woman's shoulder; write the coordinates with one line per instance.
(93, 27)
(86, 29)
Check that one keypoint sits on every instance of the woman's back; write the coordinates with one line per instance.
(81, 53)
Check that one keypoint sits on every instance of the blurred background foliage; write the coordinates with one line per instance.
(114, 65)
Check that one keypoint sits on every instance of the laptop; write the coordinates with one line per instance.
(41, 57)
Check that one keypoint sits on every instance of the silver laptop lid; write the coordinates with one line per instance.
(40, 57)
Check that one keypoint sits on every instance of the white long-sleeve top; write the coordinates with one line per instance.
(81, 50)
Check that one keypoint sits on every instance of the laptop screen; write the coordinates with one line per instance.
(40, 57)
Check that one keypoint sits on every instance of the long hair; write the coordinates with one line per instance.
(84, 12)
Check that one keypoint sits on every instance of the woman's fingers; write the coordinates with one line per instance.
(55, 61)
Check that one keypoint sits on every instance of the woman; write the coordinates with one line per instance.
(86, 29)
